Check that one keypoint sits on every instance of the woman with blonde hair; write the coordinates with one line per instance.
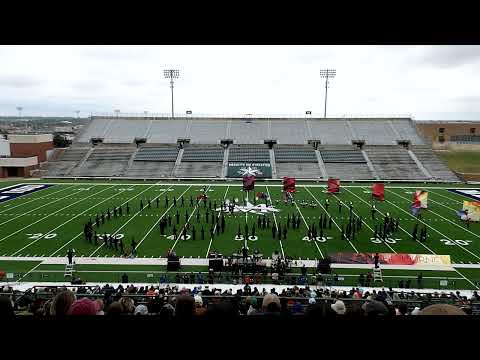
(128, 305)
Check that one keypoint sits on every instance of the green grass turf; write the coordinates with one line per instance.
(61, 210)
(462, 161)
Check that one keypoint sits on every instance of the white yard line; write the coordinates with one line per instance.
(363, 221)
(444, 218)
(449, 198)
(326, 212)
(188, 220)
(45, 217)
(130, 219)
(34, 199)
(156, 222)
(215, 227)
(66, 222)
(39, 207)
(306, 224)
(275, 219)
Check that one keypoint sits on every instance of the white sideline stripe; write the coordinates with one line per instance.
(156, 222)
(275, 219)
(215, 227)
(28, 212)
(131, 218)
(25, 227)
(326, 212)
(318, 248)
(188, 220)
(42, 197)
(59, 226)
(451, 198)
(433, 212)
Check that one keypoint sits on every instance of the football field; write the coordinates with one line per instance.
(46, 222)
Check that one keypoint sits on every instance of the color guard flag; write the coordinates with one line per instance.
(420, 199)
(248, 183)
(378, 191)
(288, 184)
(333, 186)
(470, 211)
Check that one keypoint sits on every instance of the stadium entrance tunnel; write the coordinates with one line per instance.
(140, 141)
(96, 141)
(270, 143)
(359, 143)
(404, 143)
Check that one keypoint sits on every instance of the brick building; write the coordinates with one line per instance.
(20, 154)
(439, 132)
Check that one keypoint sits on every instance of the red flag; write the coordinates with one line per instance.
(333, 186)
(378, 191)
(288, 184)
(248, 183)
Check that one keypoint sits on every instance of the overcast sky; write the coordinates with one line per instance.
(428, 82)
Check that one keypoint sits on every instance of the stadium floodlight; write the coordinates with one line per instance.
(19, 109)
(117, 112)
(327, 74)
(77, 112)
(171, 74)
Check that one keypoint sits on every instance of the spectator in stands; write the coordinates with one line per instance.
(185, 307)
(115, 308)
(61, 303)
(99, 305)
(251, 302)
(339, 307)
(442, 309)
(271, 305)
(140, 310)
(375, 308)
(401, 309)
(199, 308)
(84, 306)
(6, 308)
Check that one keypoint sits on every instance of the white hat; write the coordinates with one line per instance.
(415, 311)
(198, 300)
(339, 307)
(141, 310)
(312, 300)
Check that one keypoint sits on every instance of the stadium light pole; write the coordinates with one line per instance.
(19, 109)
(117, 112)
(327, 74)
(77, 112)
(171, 74)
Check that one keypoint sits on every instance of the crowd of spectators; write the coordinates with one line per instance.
(206, 301)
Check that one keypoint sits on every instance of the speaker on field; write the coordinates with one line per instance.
(173, 265)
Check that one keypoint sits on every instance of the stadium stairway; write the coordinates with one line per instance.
(178, 161)
(321, 165)
(226, 153)
(273, 164)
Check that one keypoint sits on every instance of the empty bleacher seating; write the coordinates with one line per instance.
(342, 156)
(433, 164)
(252, 153)
(203, 153)
(465, 139)
(157, 153)
(295, 153)
(105, 161)
(394, 162)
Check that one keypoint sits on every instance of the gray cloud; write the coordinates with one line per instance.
(450, 56)
(20, 81)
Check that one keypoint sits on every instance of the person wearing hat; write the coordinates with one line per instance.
(84, 306)
(141, 310)
(271, 304)
(199, 308)
(339, 307)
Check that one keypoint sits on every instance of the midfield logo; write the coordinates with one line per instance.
(260, 209)
(470, 193)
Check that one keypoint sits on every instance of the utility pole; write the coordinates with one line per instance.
(327, 74)
(171, 74)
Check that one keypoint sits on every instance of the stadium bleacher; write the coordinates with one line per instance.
(380, 158)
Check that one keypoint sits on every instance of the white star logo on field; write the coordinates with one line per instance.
(249, 171)
(260, 209)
